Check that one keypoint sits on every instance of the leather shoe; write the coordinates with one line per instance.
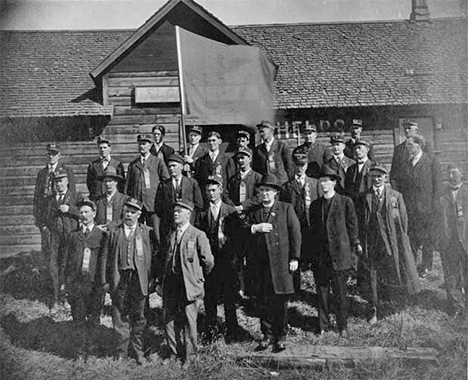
(262, 346)
(373, 316)
(278, 347)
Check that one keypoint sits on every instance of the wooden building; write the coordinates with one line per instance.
(72, 86)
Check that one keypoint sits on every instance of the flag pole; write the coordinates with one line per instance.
(181, 91)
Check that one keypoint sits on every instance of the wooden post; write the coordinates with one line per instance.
(181, 90)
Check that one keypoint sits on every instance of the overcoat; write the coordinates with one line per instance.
(196, 261)
(223, 166)
(339, 231)
(232, 190)
(357, 182)
(199, 152)
(393, 231)
(282, 244)
(349, 150)
(61, 222)
(136, 186)
(113, 251)
(277, 161)
(341, 168)
(95, 171)
(164, 152)
(116, 202)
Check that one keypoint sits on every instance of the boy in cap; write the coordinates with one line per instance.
(128, 264)
(160, 148)
(272, 156)
(83, 275)
(187, 261)
(109, 206)
(300, 192)
(334, 227)
(61, 219)
(315, 151)
(143, 177)
(194, 149)
(170, 191)
(97, 168)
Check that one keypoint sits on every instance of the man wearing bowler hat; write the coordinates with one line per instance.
(97, 168)
(186, 262)
(334, 227)
(356, 130)
(61, 219)
(160, 148)
(272, 156)
(194, 150)
(170, 191)
(128, 264)
(337, 161)
(275, 249)
(143, 177)
(109, 206)
(314, 150)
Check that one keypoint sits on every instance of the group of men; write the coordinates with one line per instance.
(207, 224)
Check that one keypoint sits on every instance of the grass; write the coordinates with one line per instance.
(37, 345)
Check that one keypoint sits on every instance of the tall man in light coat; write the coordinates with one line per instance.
(185, 264)
(273, 257)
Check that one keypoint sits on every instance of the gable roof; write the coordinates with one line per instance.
(154, 21)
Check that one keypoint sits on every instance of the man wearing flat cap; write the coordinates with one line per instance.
(300, 192)
(43, 189)
(337, 161)
(143, 177)
(272, 156)
(383, 226)
(357, 178)
(356, 130)
(194, 149)
(315, 151)
(61, 219)
(97, 168)
(83, 276)
(170, 191)
(185, 263)
(109, 206)
(334, 227)
(275, 249)
(160, 148)
(128, 268)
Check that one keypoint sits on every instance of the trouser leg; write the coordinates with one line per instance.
(137, 303)
(191, 345)
(120, 319)
(340, 290)
(54, 264)
(210, 302)
(229, 289)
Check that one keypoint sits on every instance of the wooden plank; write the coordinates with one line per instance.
(143, 111)
(18, 230)
(157, 95)
(134, 81)
(120, 91)
(11, 250)
(311, 356)
(12, 220)
(120, 101)
(20, 239)
(143, 74)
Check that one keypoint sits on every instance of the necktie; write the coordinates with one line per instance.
(130, 232)
(104, 163)
(60, 200)
(87, 231)
(143, 160)
(300, 180)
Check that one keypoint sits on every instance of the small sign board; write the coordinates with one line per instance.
(157, 95)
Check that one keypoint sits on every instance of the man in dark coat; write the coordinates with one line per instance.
(452, 239)
(194, 150)
(128, 268)
(220, 222)
(170, 191)
(300, 192)
(83, 276)
(97, 168)
(356, 130)
(43, 190)
(383, 225)
(160, 148)
(401, 156)
(337, 161)
(315, 151)
(357, 178)
(61, 219)
(421, 186)
(272, 156)
(109, 206)
(143, 177)
(334, 227)
(273, 257)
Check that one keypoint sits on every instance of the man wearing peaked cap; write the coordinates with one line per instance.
(143, 178)
(356, 130)
(194, 149)
(170, 191)
(61, 218)
(315, 151)
(110, 204)
(160, 148)
(272, 258)
(243, 138)
(337, 161)
(357, 178)
(129, 268)
(185, 263)
(99, 166)
(272, 156)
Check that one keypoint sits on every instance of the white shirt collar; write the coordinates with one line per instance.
(184, 227)
(379, 189)
(416, 158)
(243, 174)
(109, 196)
(269, 144)
(52, 166)
(89, 226)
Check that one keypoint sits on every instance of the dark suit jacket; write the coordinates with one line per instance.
(356, 183)
(117, 202)
(349, 150)
(341, 168)
(165, 151)
(281, 157)
(73, 261)
(223, 165)
(95, 170)
(60, 222)
(231, 191)
(135, 184)
(315, 154)
(199, 152)
(44, 188)
(335, 235)
(196, 261)
(400, 161)
(166, 199)
(282, 244)
(113, 252)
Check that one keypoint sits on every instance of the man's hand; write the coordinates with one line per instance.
(262, 228)
(359, 250)
(64, 208)
(188, 159)
(103, 227)
(239, 209)
(293, 265)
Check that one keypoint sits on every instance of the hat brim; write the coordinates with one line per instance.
(145, 139)
(116, 177)
(333, 177)
(268, 184)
